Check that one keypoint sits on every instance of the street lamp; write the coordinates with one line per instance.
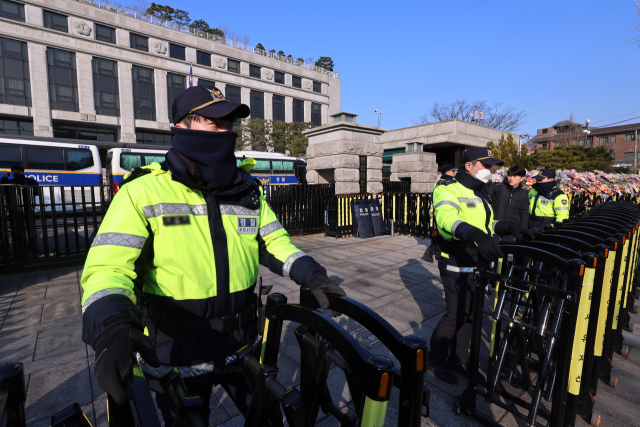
(586, 131)
(378, 112)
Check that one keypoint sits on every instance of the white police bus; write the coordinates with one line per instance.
(271, 168)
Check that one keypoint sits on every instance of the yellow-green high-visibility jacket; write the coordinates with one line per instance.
(461, 207)
(191, 255)
(547, 210)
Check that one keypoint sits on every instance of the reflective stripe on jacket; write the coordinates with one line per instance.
(555, 209)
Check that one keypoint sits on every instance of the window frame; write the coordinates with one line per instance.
(178, 49)
(233, 99)
(170, 97)
(255, 71)
(54, 94)
(206, 80)
(200, 54)
(229, 61)
(273, 108)
(97, 88)
(61, 128)
(19, 122)
(111, 40)
(319, 86)
(256, 106)
(296, 82)
(134, 36)
(51, 25)
(629, 137)
(135, 91)
(275, 77)
(299, 102)
(318, 114)
(144, 131)
(8, 75)
(545, 130)
(20, 16)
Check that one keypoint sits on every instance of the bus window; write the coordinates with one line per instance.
(45, 158)
(10, 156)
(130, 161)
(79, 159)
(282, 166)
(263, 166)
(150, 158)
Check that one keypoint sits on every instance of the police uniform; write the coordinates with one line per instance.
(445, 178)
(433, 249)
(465, 223)
(547, 203)
(178, 254)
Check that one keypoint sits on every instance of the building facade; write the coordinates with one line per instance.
(100, 71)
(619, 140)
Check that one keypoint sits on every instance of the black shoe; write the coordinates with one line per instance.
(463, 369)
(443, 373)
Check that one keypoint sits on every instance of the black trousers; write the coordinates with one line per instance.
(452, 336)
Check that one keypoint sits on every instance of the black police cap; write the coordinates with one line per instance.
(481, 154)
(545, 173)
(446, 168)
(206, 101)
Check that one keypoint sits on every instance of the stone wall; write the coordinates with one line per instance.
(420, 167)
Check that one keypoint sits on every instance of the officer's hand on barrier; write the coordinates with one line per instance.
(487, 246)
(114, 357)
(520, 232)
(321, 285)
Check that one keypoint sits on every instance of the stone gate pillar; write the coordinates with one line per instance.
(420, 167)
(347, 154)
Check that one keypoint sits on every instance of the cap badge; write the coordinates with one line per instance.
(489, 153)
(216, 94)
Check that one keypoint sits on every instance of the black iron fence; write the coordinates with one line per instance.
(299, 208)
(396, 186)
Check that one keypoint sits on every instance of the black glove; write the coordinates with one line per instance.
(487, 246)
(520, 233)
(321, 285)
(114, 357)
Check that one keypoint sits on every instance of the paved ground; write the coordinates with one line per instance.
(40, 326)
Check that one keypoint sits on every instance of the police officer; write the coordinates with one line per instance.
(448, 172)
(547, 203)
(462, 209)
(178, 254)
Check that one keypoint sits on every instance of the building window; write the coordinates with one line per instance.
(105, 34)
(144, 96)
(631, 137)
(139, 42)
(176, 52)
(279, 77)
(11, 126)
(254, 71)
(589, 142)
(233, 94)
(317, 87)
(628, 156)
(545, 130)
(316, 115)
(278, 108)
(176, 84)
(298, 110)
(296, 82)
(257, 104)
(153, 138)
(604, 140)
(105, 87)
(205, 82)
(63, 81)
(233, 66)
(11, 10)
(203, 58)
(15, 86)
(85, 133)
(55, 21)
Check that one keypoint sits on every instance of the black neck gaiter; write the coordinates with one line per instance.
(544, 188)
(212, 153)
(18, 178)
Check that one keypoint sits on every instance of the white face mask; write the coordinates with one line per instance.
(483, 175)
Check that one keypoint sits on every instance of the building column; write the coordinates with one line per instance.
(245, 95)
(40, 110)
(85, 84)
(307, 111)
(160, 79)
(222, 87)
(268, 106)
(324, 109)
(288, 109)
(125, 88)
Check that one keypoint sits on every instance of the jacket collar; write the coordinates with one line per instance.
(469, 181)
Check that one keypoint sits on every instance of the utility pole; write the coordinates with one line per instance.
(379, 113)
(635, 153)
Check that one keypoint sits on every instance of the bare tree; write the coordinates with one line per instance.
(496, 116)
(568, 132)
(244, 39)
(140, 6)
(311, 61)
(636, 11)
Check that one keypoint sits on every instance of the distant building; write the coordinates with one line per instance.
(620, 140)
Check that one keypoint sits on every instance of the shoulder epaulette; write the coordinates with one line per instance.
(556, 192)
(135, 173)
(448, 181)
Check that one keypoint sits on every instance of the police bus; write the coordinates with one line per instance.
(54, 164)
(271, 168)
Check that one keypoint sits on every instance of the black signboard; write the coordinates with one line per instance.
(362, 225)
(376, 216)
(363, 174)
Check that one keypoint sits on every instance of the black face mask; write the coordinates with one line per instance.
(19, 178)
(211, 152)
(543, 188)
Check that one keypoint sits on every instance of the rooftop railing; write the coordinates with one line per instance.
(124, 10)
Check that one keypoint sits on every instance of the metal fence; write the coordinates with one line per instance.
(396, 186)
(48, 225)
(299, 208)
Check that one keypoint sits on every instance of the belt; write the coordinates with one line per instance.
(163, 326)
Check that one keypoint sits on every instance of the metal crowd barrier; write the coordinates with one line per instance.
(402, 213)
(13, 395)
(560, 306)
(48, 224)
(299, 208)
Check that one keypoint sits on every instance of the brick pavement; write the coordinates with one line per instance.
(40, 326)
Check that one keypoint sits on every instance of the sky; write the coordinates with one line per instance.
(548, 58)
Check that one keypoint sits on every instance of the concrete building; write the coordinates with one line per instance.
(619, 140)
(95, 70)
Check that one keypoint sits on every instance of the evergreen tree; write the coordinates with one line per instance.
(200, 25)
(259, 46)
(582, 159)
(507, 150)
(181, 17)
(280, 53)
(325, 62)
(288, 138)
(253, 134)
(163, 13)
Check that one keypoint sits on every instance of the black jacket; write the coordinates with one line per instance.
(510, 204)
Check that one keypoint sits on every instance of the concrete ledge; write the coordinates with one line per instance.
(335, 162)
(347, 188)
(344, 147)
